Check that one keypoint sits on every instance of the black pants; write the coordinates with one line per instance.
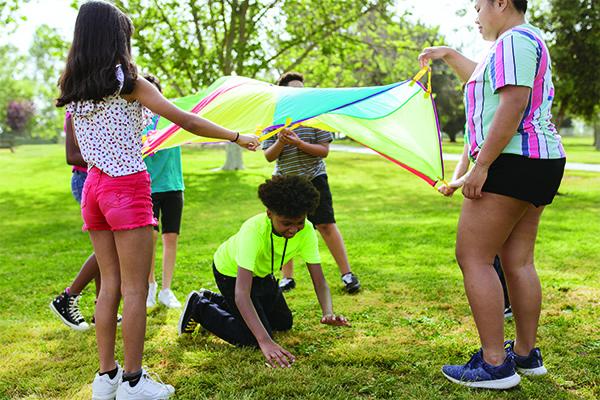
(218, 313)
(498, 268)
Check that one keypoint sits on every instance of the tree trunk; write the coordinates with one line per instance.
(233, 158)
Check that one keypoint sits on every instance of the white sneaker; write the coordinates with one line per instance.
(146, 389)
(104, 388)
(167, 298)
(151, 299)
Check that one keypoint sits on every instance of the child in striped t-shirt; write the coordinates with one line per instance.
(301, 152)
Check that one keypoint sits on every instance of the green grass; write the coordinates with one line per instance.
(579, 149)
(411, 317)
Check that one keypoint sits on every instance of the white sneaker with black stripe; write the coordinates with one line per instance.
(146, 389)
(105, 388)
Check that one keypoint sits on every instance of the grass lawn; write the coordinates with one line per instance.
(411, 317)
(579, 149)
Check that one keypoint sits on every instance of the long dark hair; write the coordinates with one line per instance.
(101, 41)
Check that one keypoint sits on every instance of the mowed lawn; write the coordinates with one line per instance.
(411, 317)
(580, 149)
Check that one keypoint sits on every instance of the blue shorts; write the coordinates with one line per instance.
(77, 180)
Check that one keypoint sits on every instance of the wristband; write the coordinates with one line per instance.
(237, 136)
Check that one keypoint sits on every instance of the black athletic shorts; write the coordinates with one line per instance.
(529, 179)
(324, 212)
(170, 205)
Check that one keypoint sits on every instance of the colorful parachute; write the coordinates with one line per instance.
(399, 121)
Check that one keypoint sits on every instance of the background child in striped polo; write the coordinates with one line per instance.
(301, 152)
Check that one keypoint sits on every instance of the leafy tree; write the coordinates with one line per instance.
(48, 53)
(189, 44)
(574, 40)
(9, 17)
(18, 115)
(14, 85)
(382, 48)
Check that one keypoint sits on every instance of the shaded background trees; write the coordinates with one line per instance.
(574, 40)
(188, 44)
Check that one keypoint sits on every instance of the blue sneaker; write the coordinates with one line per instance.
(531, 365)
(479, 374)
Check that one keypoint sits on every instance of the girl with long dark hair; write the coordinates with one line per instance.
(110, 106)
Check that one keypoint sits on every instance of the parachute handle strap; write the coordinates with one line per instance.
(425, 70)
(288, 124)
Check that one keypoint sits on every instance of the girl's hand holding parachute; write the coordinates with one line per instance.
(249, 142)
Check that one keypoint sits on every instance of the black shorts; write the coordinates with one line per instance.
(170, 204)
(324, 212)
(529, 179)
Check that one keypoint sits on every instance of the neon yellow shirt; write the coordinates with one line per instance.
(250, 248)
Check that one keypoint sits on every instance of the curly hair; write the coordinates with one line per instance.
(289, 196)
(288, 77)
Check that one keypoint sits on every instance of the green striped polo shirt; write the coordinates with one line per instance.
(293, 161)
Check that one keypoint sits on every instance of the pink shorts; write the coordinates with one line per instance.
(116, 203)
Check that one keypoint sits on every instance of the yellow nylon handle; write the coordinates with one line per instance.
(425, 70)
(428, 82)
(288, 122)
(420, 74)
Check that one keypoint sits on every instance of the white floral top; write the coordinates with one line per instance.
(109, 132)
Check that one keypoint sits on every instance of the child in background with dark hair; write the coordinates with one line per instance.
(301, 152)
(110, 107)
(166, 175)
(66, 304)
(251, 305)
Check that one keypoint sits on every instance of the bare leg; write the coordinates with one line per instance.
(89, 271)
(135, 255)
(109, 297)
(335, 243)
(288, 269)
(169, 257)
(484, 225)
(151, 275)
(98, 283)
(524, 287)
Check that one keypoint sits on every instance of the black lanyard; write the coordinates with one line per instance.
(273, 255)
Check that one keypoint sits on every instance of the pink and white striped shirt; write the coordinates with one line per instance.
(519, 57)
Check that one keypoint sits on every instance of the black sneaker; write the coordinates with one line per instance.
(351, 283)
(187, 324)
(66, 307)
(287, 284)
(508, 312)
(530, 365)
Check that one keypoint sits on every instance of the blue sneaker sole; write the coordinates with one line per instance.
(497, 384)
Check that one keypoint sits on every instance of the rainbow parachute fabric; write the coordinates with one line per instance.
(399, 121)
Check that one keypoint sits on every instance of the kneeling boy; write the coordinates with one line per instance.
(251, 305)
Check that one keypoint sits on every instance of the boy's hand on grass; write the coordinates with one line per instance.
(335, 320)
(276, 355)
